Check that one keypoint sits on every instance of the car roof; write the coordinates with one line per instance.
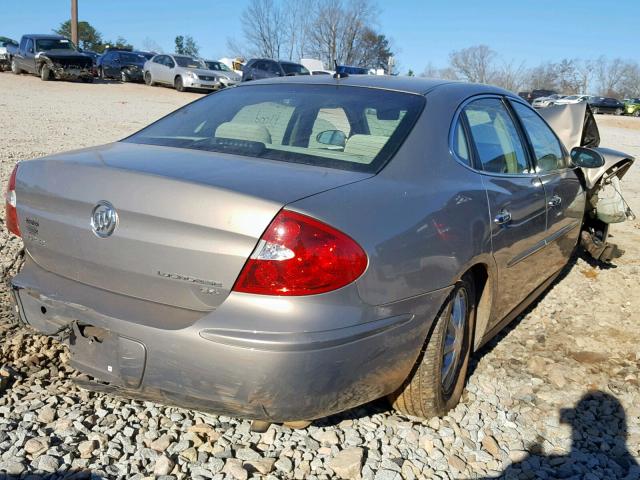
(416, 85)
(42, 36)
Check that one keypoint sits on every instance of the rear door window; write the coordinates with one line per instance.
(549, 154)
(313, 124)
(495, 137)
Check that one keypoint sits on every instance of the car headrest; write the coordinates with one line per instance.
(244, 131)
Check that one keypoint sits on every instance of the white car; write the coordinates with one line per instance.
(573, 99)
(184, 72)
(542, 102)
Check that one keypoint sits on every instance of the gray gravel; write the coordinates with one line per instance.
(527, 412)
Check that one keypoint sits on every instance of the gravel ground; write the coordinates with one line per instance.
(555, 396)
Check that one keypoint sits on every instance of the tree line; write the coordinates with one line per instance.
(602, 76)
(334, 31)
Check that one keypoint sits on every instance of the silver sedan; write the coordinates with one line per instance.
(184, 72)
(291, 248)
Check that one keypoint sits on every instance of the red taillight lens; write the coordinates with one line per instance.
(298, 255)
(10, 212)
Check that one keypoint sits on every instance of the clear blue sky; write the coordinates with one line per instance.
(422, 31)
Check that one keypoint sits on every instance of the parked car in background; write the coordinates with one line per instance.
(51, 57)
(351, 70)
(227, 76)
(540, 93)
(572, 99)
(258, 68)
(94, 55)
(606, 105)
(524, 95)
(7, 46)
(123, 65)
(226, 257)
(236, 64)
(632, 107)
(183, 73)
(542, 102)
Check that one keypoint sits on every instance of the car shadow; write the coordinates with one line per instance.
(598, 445)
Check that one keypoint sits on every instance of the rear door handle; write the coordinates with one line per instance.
(503, 217)
(555, 201)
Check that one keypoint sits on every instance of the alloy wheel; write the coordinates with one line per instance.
(452, 353)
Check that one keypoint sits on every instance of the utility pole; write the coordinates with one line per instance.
(74, 21)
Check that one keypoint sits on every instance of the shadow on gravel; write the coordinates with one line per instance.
(598, 445)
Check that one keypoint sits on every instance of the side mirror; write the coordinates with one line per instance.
(336, 138)
(586, 158)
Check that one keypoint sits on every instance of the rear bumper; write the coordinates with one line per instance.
(251, 357)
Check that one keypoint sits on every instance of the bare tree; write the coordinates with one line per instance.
(263, 28)
(338, 30)
(474, 64)
(150, 45)
(431, 71)
(509, 75)
(585, 72)
(610, 75)
(298, 19)
(544, 76)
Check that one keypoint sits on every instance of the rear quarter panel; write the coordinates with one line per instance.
(423, 220)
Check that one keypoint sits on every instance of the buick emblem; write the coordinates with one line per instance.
(104, 219)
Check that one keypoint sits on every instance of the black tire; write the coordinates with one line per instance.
(148, 80)
(636, 113)
(87, 79)
(425, 393)
(123, 76)
(618, 111)
(595, 110)
(178, 84)
(14, 67)
(45, 73)
(101, 74)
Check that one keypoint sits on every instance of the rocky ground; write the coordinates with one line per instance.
(557, 395)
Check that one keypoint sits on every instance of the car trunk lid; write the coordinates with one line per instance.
(186, 220)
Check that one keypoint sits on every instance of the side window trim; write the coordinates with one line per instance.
(522, 133)
(476, 167)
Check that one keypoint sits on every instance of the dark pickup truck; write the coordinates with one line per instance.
(51, 56)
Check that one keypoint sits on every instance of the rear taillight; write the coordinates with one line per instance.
(10, 212)
(298, 255)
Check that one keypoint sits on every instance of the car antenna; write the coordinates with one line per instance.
(339, 75)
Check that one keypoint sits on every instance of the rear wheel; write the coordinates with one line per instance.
(148, 80)
(595, 110)
(179, 84)
(123, 76)
(101, 74)
(618, 111)
(435, 384)
(45, 73)
(636, 113)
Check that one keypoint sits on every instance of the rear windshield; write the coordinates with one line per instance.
(188, 62)
(219, 66)
(350, 128)
(294, 69)
(53, 44)
(131, 57)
